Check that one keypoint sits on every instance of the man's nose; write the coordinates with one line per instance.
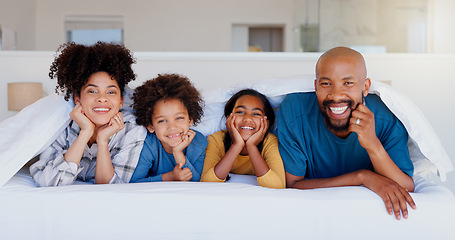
(336, 93)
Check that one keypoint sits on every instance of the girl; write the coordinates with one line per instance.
(100, 144)
(246, 147)
(168, 106)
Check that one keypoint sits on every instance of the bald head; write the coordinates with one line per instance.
(341, 54)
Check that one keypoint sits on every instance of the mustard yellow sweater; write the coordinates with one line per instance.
(274, 178)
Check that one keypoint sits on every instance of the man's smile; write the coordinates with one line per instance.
(338, 110)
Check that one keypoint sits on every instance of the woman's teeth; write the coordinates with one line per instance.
(247, 128)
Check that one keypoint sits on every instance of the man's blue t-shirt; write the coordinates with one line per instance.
(308, 148)
(154, 161)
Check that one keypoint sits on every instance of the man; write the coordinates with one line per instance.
(341, 136)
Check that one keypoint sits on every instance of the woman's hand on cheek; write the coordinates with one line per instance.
(112, 127)
(257, 137)
(232, 130)
(78, 116)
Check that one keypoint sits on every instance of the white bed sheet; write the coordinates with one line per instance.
(188, 210)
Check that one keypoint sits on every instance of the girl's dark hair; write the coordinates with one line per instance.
(166, 87)
(75, 63)
(268, 111)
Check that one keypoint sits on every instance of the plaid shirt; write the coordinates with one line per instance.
(125, 147)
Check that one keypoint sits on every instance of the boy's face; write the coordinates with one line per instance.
(100, 98)
(170, 121)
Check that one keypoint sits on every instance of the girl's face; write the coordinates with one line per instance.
(248, 112)
(100, 98)
(170, 121)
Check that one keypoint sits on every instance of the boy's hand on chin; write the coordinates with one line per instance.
(186, 140)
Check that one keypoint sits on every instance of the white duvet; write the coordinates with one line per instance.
(29, 132)
(233, 210)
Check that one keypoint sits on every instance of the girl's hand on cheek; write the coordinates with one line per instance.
(257, 137)
(112, 127)
(232, 130)
(78, 116)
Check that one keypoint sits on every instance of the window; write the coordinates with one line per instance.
(257, 38)
(88, 29)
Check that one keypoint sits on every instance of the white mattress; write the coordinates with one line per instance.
(235, 210)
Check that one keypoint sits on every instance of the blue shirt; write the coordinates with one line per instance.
(154, 161)
(308, 148)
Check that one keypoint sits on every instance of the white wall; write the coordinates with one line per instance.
(443, 29)
(19, 15)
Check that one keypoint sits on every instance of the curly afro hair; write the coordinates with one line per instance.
(166, 87)
(75, 63)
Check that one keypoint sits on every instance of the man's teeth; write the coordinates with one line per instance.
(101, 109)
(247, 128)
(338, 110)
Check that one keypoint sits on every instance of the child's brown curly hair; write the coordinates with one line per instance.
(166, 87)
(75, 63)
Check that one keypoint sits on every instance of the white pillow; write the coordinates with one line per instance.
(30, 131)
(425, 148)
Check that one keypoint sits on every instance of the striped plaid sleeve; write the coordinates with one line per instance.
(126, 149)
(51, 169)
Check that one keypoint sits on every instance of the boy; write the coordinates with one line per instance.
(168, 106)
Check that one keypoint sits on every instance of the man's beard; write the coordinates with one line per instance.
(342, 126)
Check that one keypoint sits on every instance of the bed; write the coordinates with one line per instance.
(238, 209)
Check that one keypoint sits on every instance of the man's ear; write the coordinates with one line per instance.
(150, 128)
(366, 87)
(315, 85)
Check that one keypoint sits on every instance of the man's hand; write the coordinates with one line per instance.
(362, 122)
(394, 196)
